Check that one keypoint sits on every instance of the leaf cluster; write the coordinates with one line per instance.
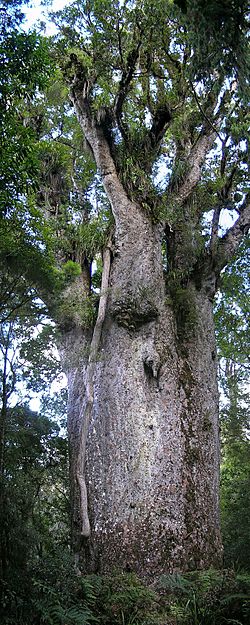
(24, 68)
(219, 43)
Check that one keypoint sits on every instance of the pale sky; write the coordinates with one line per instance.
(38, 12)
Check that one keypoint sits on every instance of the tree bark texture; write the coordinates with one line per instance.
(150, 443)
(152, 450)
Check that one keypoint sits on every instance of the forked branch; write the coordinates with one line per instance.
(159, 125)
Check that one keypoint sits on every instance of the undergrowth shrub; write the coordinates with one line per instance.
(207, 597)
(58, 595)
(123, 599)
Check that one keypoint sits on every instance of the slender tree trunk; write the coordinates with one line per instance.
(74, 352)
(3, 411)
(3, 422)
(152, 452)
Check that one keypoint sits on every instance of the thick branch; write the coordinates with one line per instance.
(228, 183)
(100, 147)
(194, 164)
(159, 125)
(85, 418)
(215, 227)
(229, 243)
(124, 85)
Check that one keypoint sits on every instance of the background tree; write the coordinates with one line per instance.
(33, 455)
(33, 490)
(232, 325)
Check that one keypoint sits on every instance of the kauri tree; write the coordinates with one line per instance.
(165, 129)
(168, 134)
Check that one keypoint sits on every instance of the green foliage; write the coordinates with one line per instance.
(38, 357)
(24, 68)
(120, 599)
(71, 271)
(58, 594)
(76, 310)
(232, 312)
(55, 614)
(235, 502)
(26, 260)
(26, 257)
(124, 600)
(10, 16)
(34, 504)
(232, 328)
(34, 464)
(217, 31)
(61, 595)
(208, 597)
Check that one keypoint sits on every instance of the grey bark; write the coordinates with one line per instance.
(153, 452)
(85, 417)
(152, 455)
(151, 460)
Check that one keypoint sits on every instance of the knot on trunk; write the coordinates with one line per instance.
(134, 308)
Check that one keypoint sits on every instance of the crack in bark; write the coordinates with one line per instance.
(85, 418)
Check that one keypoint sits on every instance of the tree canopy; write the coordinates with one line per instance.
(177, 137)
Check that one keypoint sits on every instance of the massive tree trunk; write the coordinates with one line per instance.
(143, 403)
(143, 393)
(152, 450)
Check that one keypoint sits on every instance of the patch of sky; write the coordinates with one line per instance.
(117, 135)
(228, 218)
(38, 10)
(162, 171)
(117, 74)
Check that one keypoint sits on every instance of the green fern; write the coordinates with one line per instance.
(208, 597)
(56, 614)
